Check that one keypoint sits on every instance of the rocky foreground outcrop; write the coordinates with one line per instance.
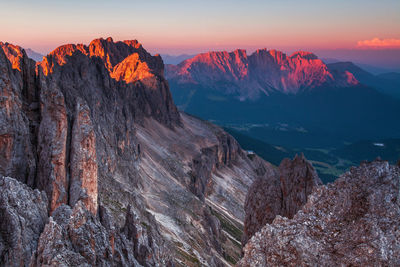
(351, 222)
(282, 193)
(23, 218)
(70, 237)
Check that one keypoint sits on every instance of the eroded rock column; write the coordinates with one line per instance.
(52, 138)
(83, 164)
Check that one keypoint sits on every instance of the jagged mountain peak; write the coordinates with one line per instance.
(87, 128)
(304, 54)
(110, 52)
(262, 72)
(14, 53)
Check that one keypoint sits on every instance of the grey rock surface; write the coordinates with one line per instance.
(23, 217)
(52, 176)
(18, 116)
(351, 222)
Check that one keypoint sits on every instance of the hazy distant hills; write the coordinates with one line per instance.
(388, 83)
(175, 59)
(33, 54)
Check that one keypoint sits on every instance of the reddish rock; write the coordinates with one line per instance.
(251, 76)
(52, 147)
(126, 69)
(131, 69)
(83, 162)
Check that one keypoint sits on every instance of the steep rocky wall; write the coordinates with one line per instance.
(83, 160)
(17, 93)
(52, 147)
(224, 153)
(351, 222)
(47, 143)
(68, 124)
(102, 137)
(280, 193)
(204, 228)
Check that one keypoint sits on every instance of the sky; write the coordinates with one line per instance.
(192, 26)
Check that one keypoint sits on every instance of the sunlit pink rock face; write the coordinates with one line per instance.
(262, 72)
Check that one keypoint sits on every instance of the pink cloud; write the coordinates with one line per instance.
(379, 43)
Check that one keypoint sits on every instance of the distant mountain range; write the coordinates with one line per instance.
(261, 73)
(175, 59)
(268, 86)
(388, 83)
(33, 54)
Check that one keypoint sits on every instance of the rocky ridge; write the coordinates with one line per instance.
(264, 71)
(49, 124)
(351, 222)
(95, 128)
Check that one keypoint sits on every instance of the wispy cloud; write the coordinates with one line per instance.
(379, 43)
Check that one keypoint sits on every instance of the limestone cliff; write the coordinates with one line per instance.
(94, 127)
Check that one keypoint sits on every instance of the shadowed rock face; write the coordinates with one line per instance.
(18, 116)
(351, 222)
(62, 121)
(123, 69)
(52, 147)
(298, 178)
(279, 193)
(211, 158)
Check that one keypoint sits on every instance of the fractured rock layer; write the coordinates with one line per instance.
(351, 222)
(281, 193)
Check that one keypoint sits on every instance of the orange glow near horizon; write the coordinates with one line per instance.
(182, 26)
